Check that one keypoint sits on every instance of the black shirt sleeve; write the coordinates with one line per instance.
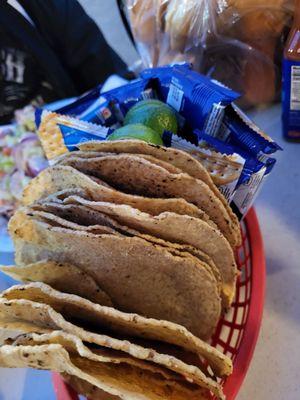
(76, 40)
(87, 55)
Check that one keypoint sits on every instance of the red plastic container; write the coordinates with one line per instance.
(238, 331)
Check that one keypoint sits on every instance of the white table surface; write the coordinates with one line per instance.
(274, 373)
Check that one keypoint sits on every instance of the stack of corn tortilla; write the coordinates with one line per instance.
(127, 251)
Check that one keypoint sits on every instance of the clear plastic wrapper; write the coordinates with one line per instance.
(238, 42)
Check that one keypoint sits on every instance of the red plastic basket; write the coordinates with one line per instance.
(237, 332)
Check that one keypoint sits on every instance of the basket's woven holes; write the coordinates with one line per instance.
(242, 297)
(234, 338)
(240, 315)
(245, 314)
(225, 333)
(219, 347)
(229, 315)
(239, 339)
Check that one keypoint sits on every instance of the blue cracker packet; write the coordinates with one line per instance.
(251, 165)
(124, 97)
(221, 161)
(200, 101)
(104, 108)
(248, 190)
(238, 129)
(82, 103)
(76, 108)
(243, 173)
(91, 107)
(101, 112)
(110, 108)
(161, 77)
(253, 174)
(60, 134)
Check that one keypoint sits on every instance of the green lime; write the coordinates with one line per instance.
(136, 131)
(148, 102)
(154, 114)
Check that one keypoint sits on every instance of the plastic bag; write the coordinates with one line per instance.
(238, 42)
(165, 31)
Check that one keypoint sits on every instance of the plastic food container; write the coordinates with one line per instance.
(237, 332)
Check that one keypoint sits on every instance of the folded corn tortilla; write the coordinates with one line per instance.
(138, 176)
(90, 218)
(74, 344)
(86, 389)
(116, 321)
(59, 178)
(123, 380)
(141, 277)
(43, 315)
(179, 159)
(91, 154)
(62, 215)
(172, 227)
(64, 277)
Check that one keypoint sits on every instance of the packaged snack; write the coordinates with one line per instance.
(224, 167)
(237, 173)
(199, 101)
(242, 131)
(101, 112)
(82, 103)
(109, 108)
(209, 126)
(124, 97)
(248, 190)
(255, 168)
(91, 107)
(60, 133)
